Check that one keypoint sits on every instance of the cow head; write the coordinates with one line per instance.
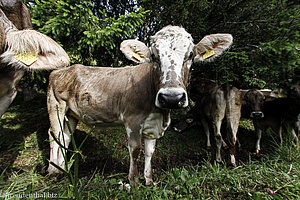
(254, 100)
(172, 53)
(17, 13)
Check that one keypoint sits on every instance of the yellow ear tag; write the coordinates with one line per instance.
(26, 58)
(280, 95)
(137, 56)
(208, 54)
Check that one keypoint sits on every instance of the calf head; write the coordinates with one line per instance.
(171, 54)
(254, 99)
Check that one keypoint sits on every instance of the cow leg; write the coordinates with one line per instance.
(9, 78)
(134, 145)
(295, 137)
(6, 100)
(280, 134)
(206, 130)
(258, 135)
(258, 132)
(219, 139)
(72, 122)
(149, 150)
(56, 152)
(232, 128)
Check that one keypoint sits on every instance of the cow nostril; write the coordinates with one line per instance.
(162, 99)
(181, 101)
(257, 115)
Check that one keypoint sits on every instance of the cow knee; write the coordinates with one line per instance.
(218, 139)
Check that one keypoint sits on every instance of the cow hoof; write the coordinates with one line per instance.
(134, 181)
(56, 177)
(149, 183)
(124, 186)
(219, 160)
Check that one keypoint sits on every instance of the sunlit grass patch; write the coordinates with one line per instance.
(30, 156)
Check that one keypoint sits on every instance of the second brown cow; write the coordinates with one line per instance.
(214, 104)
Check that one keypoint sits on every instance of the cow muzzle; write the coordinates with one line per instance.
(257, 114)
(171, 98)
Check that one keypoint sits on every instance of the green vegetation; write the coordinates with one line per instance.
(182, 168)
(265, 54)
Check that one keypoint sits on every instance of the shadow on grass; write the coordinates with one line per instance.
(21, 120)
(106, 149)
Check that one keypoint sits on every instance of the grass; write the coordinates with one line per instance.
(182, 168)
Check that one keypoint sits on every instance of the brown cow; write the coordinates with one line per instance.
(270, 114)
(22, 50)
(139, 97)
(213, 105)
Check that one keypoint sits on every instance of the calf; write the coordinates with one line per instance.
(213, 105)
(270, 114)
(22, 50)
(139, 97)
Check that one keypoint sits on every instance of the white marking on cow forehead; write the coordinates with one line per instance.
(172, 43)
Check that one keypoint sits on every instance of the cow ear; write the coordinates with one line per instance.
(29, 49)
(212, 46)
(135, 50)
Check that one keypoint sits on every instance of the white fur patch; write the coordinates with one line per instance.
(153, 127)
(232, 159)
(128, 130)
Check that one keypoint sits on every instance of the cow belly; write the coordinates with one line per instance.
(93, 118)
(154, 126)
(101, 123)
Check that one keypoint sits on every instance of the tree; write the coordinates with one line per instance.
(265, 52)
(86, 30)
